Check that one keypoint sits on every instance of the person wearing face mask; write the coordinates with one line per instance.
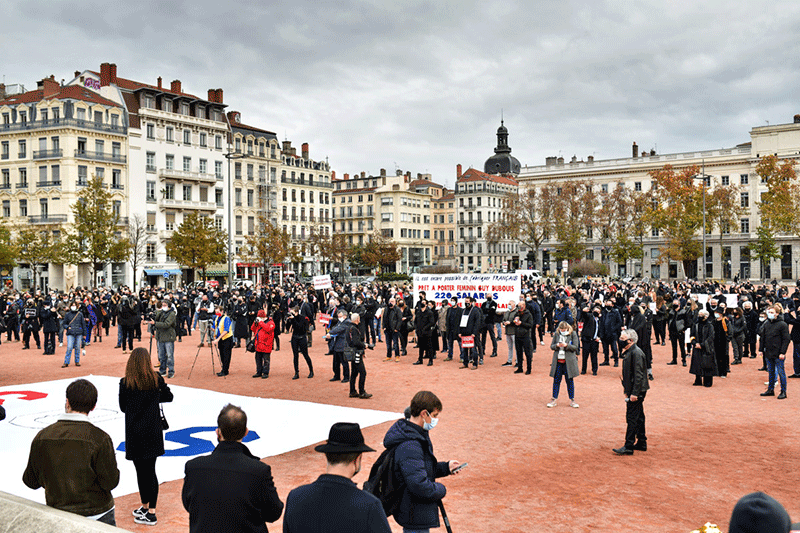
(469, 325)
(704, 360)
(773, 345)
(333, 502)
(722, 338)
(565, 348)
(163, 323)
(75, 328)
(392, 318)
(610, 326)
(416, 464)
(590, 338)
(453, 329)
(635, 385)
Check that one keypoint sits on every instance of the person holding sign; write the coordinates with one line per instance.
(523, 325)
(470, 324)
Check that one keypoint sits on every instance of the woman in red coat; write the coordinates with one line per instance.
(263, 329)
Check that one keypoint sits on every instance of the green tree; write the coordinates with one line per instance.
(8, 248)
(677, 211)
(38, 247)
(764, 248)
(526, 218)
(198, 243)
(95, 237)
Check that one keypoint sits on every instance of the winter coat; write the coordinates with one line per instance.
(391, 318)
(164, 325)
(703, 334)
(774, 338)
(634, 372)
(338, 332)
(74, 323)
(49, 320)
(417, 468)
(264, 335)
(570, 354)
(523, 329)
(610, 323)
(144, 437)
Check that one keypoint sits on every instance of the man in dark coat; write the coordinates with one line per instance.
(453, 328)
(392, 317)
(523, 326)
(704, 361)
(751, 329)
(471, 318)
(635, 385)
(773, 345)
(590, 338)
(333, 502)
(230, 490)
(610, 326)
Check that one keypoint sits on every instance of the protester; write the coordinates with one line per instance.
(263, 329)
(141, 393)
(355, 341)
(74, 326)
(773, 345)
(299, 325)
(164, 323)
(634, 385)
(565, 346)
(74, 460)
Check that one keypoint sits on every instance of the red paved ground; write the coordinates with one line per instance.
(531, 468)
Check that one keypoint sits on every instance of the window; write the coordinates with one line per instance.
(170, 134)
(116, 208)
(151, 131)
(745, 225)
(81, 112)
(187, 137)
(116, 179)
(203, 166)
(23, 208)
(237, 171)
(744, 179)
(55, 174)
(6, 179)
(218, 142)
(187, 164)
(151, 162)
(238, 224)
(203, 194)
(238, 196)
(151, 221)
(6, 208)
(238, 145)
(23, 149)
(169, 191)
(43, 208)
(42, 174)
(187, 193)
(218, 196)
(745, 200)
(249, 197)
(184, 108)
(387, 217)
(203, 141)
(251, 225)
(150, 251)
(654, 232)
(5, 150)
(218, 169)
(218, 223)
(637, 186)
(23, 176)
(170, 162)
(250, 172)
(726, 180)
(151, 191)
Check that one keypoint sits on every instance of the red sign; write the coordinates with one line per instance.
(468, 341)
(324, 319)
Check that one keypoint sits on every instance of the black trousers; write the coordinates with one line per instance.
(523, 346)
(26, 338)
(490, 332)
(612, 342)
(50, 342)
(634, 416)
(370, 323)
(225, 348)
(340, 361)
(750, 346)
(660, 328)
(300, 345)
(262, 363)
(676, 340)
(357, 370)
(148, 482)
(127, 336)
(589, 350)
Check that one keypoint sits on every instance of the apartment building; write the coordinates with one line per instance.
(727, 253)
(52, 141)
(444, 229)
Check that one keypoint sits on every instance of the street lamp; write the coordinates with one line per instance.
(703, 177)
(231, 155)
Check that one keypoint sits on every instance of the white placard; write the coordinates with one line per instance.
(731, 300)
(322, 282)
(502, 288)
(276, 426)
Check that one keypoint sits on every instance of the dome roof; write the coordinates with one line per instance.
(502, 162)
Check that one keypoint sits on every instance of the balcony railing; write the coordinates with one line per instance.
(100, 156)
(63, 123)
(186, 175)
(22, 185)
(187, 204)
(5, 186)
(48, 183)
(48, 154)
(117, 186)
(47, 219)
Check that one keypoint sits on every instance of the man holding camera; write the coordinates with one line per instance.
(163, 322)
(205, 313)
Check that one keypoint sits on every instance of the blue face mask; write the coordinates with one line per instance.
(430, 425)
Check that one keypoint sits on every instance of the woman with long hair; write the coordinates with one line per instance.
(565, 346)
(140, 393)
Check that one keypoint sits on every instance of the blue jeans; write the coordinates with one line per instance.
(166, 359)
(772, 366)
(392, 342)
(377, 326)
(498, 327)
(73, 342)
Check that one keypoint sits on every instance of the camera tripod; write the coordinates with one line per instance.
(212, 349)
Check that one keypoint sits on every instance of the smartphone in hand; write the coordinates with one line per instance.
(460, 467)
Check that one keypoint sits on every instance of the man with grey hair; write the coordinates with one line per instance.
(634, 385)
(339, 335)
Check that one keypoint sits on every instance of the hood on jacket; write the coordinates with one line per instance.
(405, 430)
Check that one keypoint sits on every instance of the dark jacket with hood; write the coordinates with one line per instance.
(418, 468)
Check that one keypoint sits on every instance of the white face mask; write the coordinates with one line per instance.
(73, 308)
(771, 316)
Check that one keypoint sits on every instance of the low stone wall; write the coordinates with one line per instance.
(18, 515)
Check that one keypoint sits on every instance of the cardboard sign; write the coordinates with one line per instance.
(322, 282)
(468, 341)
(502, 288)
(324, 319)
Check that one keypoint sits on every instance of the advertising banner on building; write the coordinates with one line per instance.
(502, 288)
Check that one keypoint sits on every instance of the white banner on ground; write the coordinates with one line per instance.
(502, 288)
(276, 426)
(322, 282)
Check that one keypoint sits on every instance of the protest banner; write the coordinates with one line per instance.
(322, 282)
(502, 288)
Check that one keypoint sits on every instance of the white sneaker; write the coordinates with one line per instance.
(83, 352)
(542, 343)
(552, 403)
(60, 344)
(573, 404)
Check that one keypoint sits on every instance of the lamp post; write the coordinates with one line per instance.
(703, 177)
(230, 155)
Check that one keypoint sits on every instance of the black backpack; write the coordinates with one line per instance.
(383, 483)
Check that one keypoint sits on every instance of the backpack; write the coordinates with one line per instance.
(383, 483)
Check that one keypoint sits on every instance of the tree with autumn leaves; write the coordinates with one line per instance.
(198, 243)
(526, 218)
(379, 251)
(269, 245)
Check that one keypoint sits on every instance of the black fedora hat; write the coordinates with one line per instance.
(344, 437)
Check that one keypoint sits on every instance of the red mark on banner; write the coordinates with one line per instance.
(24, 395)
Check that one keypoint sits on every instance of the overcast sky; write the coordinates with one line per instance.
(419, 85)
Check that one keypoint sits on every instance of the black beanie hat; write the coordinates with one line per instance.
(759, 513)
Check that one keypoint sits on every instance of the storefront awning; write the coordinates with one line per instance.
(161, 271)
(216, 273)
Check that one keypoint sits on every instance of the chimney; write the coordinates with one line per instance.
(797, 119)
(105, 74)
(590, 159)
(383, 172)
(333, 175)
(77, 73)
(363, 174)
(560, 160)
(304, 150)
(550, 161)
(346, 176)
(287, 147)
(112, 74)
(635, 150)
(50, 87)
(574, 159)
(458, 170)
(2, 91)
(652, 151)
(175, 86)
(212, 95)
(160, 85)
(419, 175)
(219, 96)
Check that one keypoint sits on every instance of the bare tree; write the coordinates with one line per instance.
(137, 236)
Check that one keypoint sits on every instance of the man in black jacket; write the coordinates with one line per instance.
(392, 317)
(590, 338)
(469, 326)
(333, 502)
(230, 490)
(610, 326)
(773, 345)
(635, 385)
(523, 325)
(489, 309)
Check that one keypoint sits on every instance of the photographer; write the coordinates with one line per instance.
(163, 324)
(205, 312)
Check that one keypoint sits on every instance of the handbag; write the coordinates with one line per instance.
(707, 361)
(164, 423)
(251, 344)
